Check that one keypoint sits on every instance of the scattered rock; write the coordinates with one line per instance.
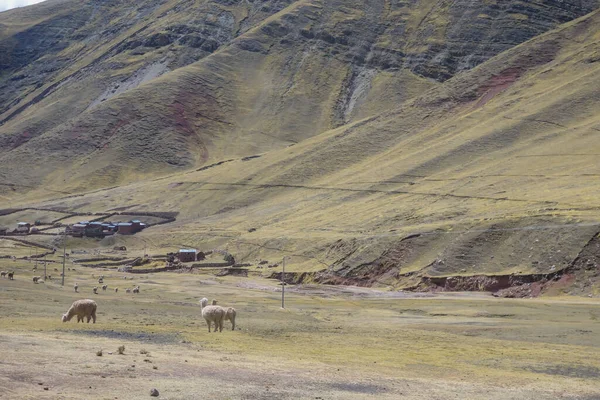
(154, 393)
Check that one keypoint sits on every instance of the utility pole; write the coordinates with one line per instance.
(283, 284)
(64, 256)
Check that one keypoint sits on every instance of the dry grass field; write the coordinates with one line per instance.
(328, 343)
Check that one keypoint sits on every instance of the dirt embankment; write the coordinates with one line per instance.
(577, 279)
(550, 259)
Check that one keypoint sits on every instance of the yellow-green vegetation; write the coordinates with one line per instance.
(9, 247)
(518, 16)
(337, 342)
(136, 91)
(495, 169)
(11, 220)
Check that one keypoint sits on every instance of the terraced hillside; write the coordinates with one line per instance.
(98, 93)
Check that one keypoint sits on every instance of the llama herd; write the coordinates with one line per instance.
(217, 314)
(135, 289)
(86, 308)
(8, 274)
(212, 314)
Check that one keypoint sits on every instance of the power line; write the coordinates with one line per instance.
(333, 188)
(353, 190)
(12, 185)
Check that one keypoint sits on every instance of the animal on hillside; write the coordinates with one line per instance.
(230, 314)
(76, 287)
(11, 275)
(100, 280)
(104, 287)
(3, 274)
(136, 289)
(128, 290)
(83, 309)
(95, 289)
(36, 279)
(203, 302)
(116, 289)
(214, 314)
(55, 269)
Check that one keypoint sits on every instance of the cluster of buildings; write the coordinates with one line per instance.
(102, 229)
(83, 228)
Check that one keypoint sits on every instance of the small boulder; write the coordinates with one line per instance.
(154, 393)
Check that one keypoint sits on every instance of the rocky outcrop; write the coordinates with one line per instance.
(473, 32)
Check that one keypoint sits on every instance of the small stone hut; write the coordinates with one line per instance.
(187, 255)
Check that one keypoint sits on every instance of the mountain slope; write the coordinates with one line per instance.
(494, 172)
(116, 92)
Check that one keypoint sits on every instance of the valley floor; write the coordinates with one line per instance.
(328, 343)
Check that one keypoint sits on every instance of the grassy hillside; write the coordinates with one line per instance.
(102, 93)
(493, 172)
